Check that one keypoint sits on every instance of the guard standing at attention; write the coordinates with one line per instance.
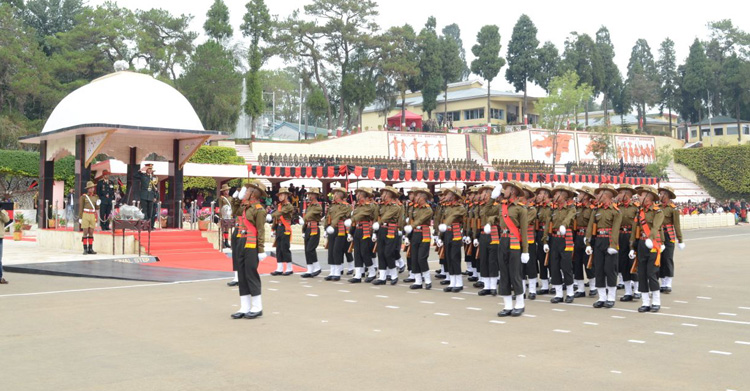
(672, 234)
(419, 238)
(281, 221)
(311, 230)
(360, 233)
(513, 249)
(338, 212)
(561, 242)
(605, 225)
(628, 209)
(105, 190)
(387, 228)
(648, 226)
(88, 206)
(450, 230)
(487, 241)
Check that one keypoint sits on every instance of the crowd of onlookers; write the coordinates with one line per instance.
(320, 160)
(449, 164)
(737, 207)
(630, 170)
(530, 166)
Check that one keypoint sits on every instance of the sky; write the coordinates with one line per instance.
(627, 21)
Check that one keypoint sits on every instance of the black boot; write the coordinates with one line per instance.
(85, 247)
(91, 247)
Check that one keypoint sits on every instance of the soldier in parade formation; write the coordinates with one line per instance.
(584, 212)
(418, 238)
(361, 235)
(338, 213)
(311, 229)
(450, 241)
(281, 221)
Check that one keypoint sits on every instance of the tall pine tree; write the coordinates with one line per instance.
(523, 63)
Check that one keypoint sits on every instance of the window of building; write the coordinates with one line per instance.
(705, 131)
(719, 131)
(497, 114)
(693, 133)
(474, 114)
(731, 130)
(746, 129)
(452, 116)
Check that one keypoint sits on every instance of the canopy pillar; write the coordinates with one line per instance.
(175, 192)
(82, 172)
(46, 182)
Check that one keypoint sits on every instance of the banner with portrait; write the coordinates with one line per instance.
(636, 149)
(413, 146)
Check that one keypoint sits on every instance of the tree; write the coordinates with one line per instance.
(430, 66)
(695, 79)
(453, 67)
(358, 87)
(49, 17)
(347, 25)
(217, 25)
(400, 62)
(667, 69)
(549, 59)
(737, 86)
(488, 62)
(566, 96)
(164, 42)
(257, 26)
(582, 57)
(612, 79)
(454, 32)
(317, 105)
(602, 145)
(643, 79)
(523, 63)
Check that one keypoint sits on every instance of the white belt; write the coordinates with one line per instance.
(90, 210)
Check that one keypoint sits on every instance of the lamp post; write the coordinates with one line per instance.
(299, 119)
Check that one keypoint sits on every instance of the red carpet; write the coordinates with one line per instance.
(184, 249)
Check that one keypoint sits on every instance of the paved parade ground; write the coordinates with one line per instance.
(68, 333)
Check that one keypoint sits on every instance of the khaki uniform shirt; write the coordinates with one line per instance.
(256, 215)
(606, 217)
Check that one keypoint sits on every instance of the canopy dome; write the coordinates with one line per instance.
(125, 98)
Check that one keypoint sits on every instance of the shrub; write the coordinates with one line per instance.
(723, 171)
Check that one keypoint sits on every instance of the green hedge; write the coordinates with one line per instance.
(723, 171)
(26, 164)
(211, 155)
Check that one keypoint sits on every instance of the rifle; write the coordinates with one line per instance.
(546, 259)
(441, 252)
(408, 251)
(634, 269)
(351, 247)
(470, 250)
(375, 248)
(590, 264)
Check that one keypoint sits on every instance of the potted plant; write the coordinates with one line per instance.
(63, 222)
(18, 230)
(203, 219)
(163, 218)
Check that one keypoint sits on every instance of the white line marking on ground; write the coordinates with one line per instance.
(376, 330)
(312, 295)
(618, 317)
(457, 298)
(473, 308)
(381, 296)
(561, 331)
(497, 322)
(412, 292)
(441, 314)
(681, 301)
(703, 298)
(636, 341)
(529, 316)
(591, 323)
(744, 308)
(522, 356)
(273, 289)
(615, 372)
(558, 309)
(274, 282)
(663, 333)
(323, 321)
(393, 307)
(671, 315)
(690, 325)
(427, 302)
(307, 286)
(720, 352)
(444, 343)
(727, 314)
(350, 301)
(339, 283)
(742, 342)
(718, 237)
(344, 291)
(113, 287)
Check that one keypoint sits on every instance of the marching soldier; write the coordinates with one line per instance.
(561, 242)
(605, 225)
(105, 190)
(311, 231)
(530, 269)
(418, 238)
(360, 233)
(252, 225)
(237, 240)
(513, 249)
(584, 211)
(438, 217)
(388, 242)
(408, 217)
(672, 234)
(544, 215)
(338, 212)
(648, 226)
(451, 238)
(281, 221)
(487, 242)
(628, 210)
(225, 204)
(469, 228)
(88, 206)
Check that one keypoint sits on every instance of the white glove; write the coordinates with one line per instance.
(242, 192)
(631, 254)
(435, 238)
(681, 246)
(406, 241)
(374, 238)
(589, 250)
(467, 240)
(546, 248)
(487, 229)
(329, 230)
(611, 251)
(476, 243)
(496, 192)
(525, 258)
(439, 243)
(349, 237)
(301, 221)
(408, 229)
(80, 221)
(562, 230)
(98, 202)
(407, 220)
(273, 234)
(236, 194)
(649, 243)
(400, 233)
(442, 227)
(662, 248)
(325, 234)
(269, 218)
(585, 240)
(348, 223)
(375, 226)
(262, 256)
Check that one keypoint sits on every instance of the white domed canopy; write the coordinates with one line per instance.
(126, 99)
